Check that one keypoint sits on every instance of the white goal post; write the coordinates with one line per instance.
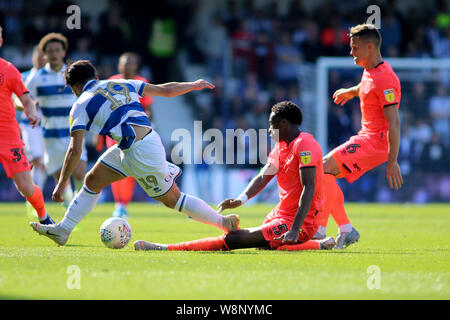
(428, 68)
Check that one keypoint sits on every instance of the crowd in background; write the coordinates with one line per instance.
(266, 47)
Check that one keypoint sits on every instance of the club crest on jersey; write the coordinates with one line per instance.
(305, 157)
(389, 95)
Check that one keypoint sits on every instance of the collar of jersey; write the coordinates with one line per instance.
(89, 85)
(50, 70)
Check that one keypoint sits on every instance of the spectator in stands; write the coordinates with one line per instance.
(242, 42)
(434, 156)
(112, 37)
(311, 47)
(391, 33)
(420, 46)
(417, 102)
(334, 38)
(287, 58)
(260, 22)
(249, 88)
(212, 43)
(256, 117)
(440, 112)
(83, 50)
(264, 58)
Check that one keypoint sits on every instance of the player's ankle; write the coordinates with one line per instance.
(345, 227)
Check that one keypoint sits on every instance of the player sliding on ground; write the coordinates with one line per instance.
(378, 140)
(296, 160)
(112, 108)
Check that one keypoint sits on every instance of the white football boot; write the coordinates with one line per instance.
(53, 231)
(230, 223)
(327, 243)
(144, 245)
(344, 239)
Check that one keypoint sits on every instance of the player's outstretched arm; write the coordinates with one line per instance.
(308, 178)
(71, 160)
(393, 172)
(173, 89)
(253, 188)
(343, 95)
(30, 109)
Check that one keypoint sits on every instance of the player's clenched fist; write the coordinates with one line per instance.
(229, 204)
(58, 192)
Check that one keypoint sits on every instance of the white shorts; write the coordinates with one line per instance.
(55, 152)
(34, 141)
(146, 161)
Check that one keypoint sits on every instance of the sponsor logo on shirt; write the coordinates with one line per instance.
(389, 95)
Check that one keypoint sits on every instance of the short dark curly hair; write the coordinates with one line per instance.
(289, 111)
(53, 37)
(80, 72)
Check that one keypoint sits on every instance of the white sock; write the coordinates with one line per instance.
(345, 228)
(68, 195)
(198, 210)
(39, 176)
(43, 218)
(322, 230)
(82, 204)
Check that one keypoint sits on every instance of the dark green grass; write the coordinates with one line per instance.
(409, 244)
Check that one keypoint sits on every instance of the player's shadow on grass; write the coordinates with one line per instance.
(230, 252)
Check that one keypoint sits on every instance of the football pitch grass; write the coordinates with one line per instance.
(403, 253)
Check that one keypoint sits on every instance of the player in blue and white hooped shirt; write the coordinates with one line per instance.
(55, 99)
(112, 107)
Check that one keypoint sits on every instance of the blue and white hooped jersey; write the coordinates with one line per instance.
(55, 100)
(110, 107)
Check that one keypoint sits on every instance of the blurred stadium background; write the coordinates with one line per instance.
(258, 53)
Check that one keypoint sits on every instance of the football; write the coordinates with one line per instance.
(115, 233)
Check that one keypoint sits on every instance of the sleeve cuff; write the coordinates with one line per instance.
(141, 89)
(75, 128)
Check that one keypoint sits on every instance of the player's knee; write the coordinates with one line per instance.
(169, 202)
(90, 182)
(170, 199)
(80, 172)
(79, 177)
(330, 165)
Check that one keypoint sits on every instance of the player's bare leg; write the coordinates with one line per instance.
(239, 239)
(198, 210)
(96, 179)
(79, 174)
(334, 204)
(33, 194)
